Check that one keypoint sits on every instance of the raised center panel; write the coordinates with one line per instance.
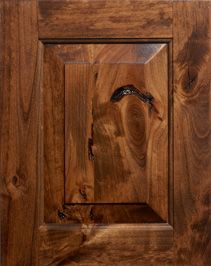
(109, 113)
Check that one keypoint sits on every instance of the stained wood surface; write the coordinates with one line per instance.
(192, 125)
(109, 214)
(129, 139)
(104, 19)
(53, 142)
(23, 175)
(157, 76)
(20, 132)
(105, 245)
(79, 81)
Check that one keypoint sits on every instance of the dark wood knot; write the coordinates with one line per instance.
(131, 90)
(61, 215)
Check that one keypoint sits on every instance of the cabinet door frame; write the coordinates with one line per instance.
(25, 28)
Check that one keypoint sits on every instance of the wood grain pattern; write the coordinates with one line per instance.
(192, 125)
(125, 134)
(156, 78)
(79, 81)
(109, 214)
(53, 96)
(20, 132)
(105, 19)
(105, 245)
(32, 130)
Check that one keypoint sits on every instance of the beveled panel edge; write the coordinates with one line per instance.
(169, 42)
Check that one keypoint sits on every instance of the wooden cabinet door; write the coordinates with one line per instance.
(105, 132)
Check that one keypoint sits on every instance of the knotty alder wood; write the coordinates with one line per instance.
(20, 117)
(115, 244)
(53, 109)
(116, 152)
(21, 140)
(192, 125)
(104, 19)
(110, 214)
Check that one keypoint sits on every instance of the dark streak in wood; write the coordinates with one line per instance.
(117, 135)
(90, 152)
(119, 93)
(82, 192)
(61, 215)
(90, 144)
(15, 180)
(192, 127)
(193, 55)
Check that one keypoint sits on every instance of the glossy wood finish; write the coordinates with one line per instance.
(104, 19)
(192, 125)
